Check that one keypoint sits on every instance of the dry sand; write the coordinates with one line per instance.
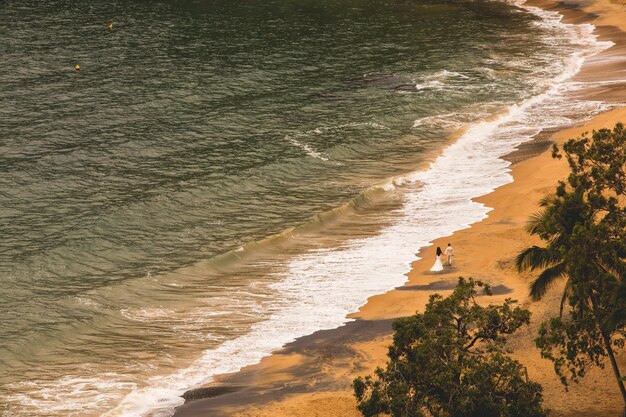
(311, 377)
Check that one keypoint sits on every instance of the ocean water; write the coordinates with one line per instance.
(221, 177)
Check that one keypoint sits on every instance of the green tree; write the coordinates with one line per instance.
(583, 225)
(451, 361)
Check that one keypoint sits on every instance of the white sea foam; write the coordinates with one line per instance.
(299, 139)
(320, 287)
(307, 148)
(426, 85)
(438, 81)
(351, 125)
(449, 74)
(147, 314)
(448, 120)
(67, 395)
(88, 302)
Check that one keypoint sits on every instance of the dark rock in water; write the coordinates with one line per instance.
(209, 392)
(406, 87)
(329, 97)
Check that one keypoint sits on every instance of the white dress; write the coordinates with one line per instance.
(438, 266)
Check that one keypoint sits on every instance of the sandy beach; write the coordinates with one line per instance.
(312, 376)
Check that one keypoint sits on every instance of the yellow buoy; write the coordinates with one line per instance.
(77, 67)
(110, 26)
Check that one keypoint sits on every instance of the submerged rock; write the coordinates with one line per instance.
(406, 87)
(209, 392)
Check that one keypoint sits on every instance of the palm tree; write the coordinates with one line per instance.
(575, 250)
(554, 224)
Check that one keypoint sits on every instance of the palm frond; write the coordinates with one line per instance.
(535, 225)
(535, 257)
(615, 267)
(545, 280)
(616, 319)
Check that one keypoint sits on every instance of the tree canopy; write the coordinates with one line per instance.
(451, 361)
(583, 225)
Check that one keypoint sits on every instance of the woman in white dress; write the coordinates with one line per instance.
(438, 266)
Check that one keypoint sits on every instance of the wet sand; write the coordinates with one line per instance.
(312, 376)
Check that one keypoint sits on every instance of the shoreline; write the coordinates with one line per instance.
(311, 376)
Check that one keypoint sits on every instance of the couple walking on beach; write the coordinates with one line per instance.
(438, 266)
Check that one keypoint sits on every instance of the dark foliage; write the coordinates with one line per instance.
(452, 361)
(583, 225)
